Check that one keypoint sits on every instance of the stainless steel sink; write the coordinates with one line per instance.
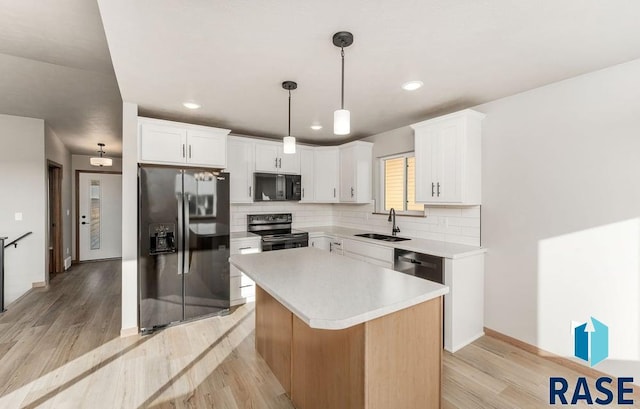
(382, 237)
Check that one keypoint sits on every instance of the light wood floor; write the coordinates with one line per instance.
(60, 348)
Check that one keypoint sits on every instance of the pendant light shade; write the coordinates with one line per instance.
(289, 142)
(100, 160)
(341, 122)
(342, 117)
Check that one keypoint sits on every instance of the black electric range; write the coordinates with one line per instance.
(276, 231)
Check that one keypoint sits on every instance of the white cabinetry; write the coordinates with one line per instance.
(320, 242)
(464, 305)
(175, 143)
(448, 159)
(370, 253)
(240, 168)
(270, 157)
(242, 288)
(355, 172)
(326, 174)
(307, 172)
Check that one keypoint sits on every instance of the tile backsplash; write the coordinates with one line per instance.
(451, 224)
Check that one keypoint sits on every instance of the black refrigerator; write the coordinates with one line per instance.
(183, 255)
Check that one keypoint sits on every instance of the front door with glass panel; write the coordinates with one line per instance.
(100, 216)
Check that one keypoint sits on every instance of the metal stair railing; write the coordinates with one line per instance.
(2, 247)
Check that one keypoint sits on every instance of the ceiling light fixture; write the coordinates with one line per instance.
(100, 160)
(342, 117)
(191, 105)
(316, 127)
(289, 141)
(412, 85)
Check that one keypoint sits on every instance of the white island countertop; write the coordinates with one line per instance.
(425, 246)
(329, 291)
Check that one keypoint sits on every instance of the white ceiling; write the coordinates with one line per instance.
(55, 65)
(231, 57)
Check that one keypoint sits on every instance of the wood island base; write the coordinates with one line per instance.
(394, 361)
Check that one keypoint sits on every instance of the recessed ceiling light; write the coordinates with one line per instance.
(412, 85)
(316, 127)
(191, 105)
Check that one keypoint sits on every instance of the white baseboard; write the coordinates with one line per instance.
(67, 263)
(127, 332)
(39, 284)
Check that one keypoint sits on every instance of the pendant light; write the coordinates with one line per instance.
(100, 160)
(289, 141)
(342, 117)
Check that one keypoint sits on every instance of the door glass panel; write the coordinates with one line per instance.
(94, 225)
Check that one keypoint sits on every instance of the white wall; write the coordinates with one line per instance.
(23, 189)
(57, 152)
(81, 162)
(561, 205)
(129, 219)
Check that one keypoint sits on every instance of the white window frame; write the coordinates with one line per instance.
(381, 188)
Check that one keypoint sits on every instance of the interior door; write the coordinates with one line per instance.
(100, 216)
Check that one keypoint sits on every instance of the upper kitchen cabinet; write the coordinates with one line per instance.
(326, 173)
(355, 172)
(240, 167)
(270, 157)
(175, 143)
(307, 172)
(448, 159)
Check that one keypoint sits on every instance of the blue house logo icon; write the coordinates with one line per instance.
(591, 343)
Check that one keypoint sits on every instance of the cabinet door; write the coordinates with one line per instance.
(240, 158)
(425, 141)
(163, 144)
(348, 174)
(448, 162)
(307, 173)
(289, 162)
(207, 148)
(266, 157)
(326, 171)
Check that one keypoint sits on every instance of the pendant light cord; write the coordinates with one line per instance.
(289, 134)
(342, 95)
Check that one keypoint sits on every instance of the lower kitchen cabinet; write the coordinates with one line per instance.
(242, 288)
(371, 253)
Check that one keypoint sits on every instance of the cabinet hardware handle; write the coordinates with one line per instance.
(303, 192)
(334, 192)
(249, 191)
(276, 163)
(280, 163)
(245, 286)
(313, 244)
(433, 186)
(189, 151)
(351, 192)
(244, 248)
(438, 189)
(183, 151)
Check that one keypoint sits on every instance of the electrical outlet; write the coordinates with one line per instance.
(18, 217)
(67, 251)
(68, 212)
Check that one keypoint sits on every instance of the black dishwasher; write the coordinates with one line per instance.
(419, 265)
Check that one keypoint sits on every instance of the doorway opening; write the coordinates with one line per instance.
(54, 209)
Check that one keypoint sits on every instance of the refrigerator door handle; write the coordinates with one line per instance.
(180, 230)
(187, 260)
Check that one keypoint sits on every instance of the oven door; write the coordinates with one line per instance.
(270, 245)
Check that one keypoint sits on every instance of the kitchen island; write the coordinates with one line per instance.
(342, 333)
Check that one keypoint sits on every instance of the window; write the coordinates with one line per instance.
(398, 184)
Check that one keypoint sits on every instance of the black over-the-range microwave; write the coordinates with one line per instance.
(271, 186)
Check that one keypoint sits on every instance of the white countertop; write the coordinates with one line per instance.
(329, 291)
(239, 235)
(432, 247)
